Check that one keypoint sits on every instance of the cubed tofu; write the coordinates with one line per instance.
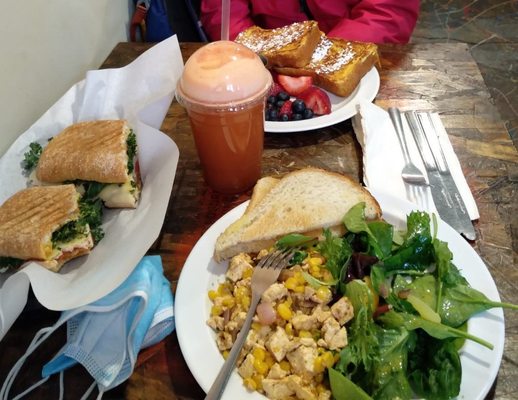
(238, 265)
(277, 389)
(302, 360)
(276, 372)
(278, 343)
(224, 341)
(274, 293)
(304, 322)
(334, 335)
(321, 313)
(246, 369)
(343, 310)
(216, 322)
(303, 392)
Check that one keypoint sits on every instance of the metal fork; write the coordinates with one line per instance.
(413, 177)
(265, 274)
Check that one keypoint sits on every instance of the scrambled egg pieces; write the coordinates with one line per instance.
(288, 348)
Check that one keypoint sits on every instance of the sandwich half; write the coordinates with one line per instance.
(44, 224)
(304, 201)
(100, 156)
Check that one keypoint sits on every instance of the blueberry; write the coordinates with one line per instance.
(298, 106)
(272, 114)
(279, 103)
(284, 117)
(283, 96)
(308, 113)
(271, 99)
(297, 117)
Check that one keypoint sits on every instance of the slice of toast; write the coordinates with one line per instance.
(291, 45)
(303, 201)
(337, 65)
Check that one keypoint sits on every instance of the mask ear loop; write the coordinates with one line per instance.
(40, 336)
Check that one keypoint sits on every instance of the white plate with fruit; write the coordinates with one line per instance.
(326, 108)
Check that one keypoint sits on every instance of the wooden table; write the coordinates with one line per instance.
(437, 77)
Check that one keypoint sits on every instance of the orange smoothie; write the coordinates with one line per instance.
(223, 88)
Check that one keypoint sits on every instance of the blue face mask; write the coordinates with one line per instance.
(140, 310)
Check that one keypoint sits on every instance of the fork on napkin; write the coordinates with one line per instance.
(383, 161)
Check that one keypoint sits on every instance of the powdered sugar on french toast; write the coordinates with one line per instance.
(324, 61)
(274, 39)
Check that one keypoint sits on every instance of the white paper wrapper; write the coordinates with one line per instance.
(141, 92)
(383, 159)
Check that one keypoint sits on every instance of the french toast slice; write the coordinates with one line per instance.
(337, 65)
(289, 46)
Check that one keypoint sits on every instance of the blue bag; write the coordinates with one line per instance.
(152, 19)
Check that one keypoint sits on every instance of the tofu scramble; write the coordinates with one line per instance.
(297, 332)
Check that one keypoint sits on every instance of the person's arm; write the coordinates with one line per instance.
(379, 21)
(210, 16)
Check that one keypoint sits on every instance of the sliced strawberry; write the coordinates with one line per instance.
(275, 89)
(295, 85)
(316, 99)
(286, 109)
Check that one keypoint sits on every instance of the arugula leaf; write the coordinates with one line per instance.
(32, 157)
(354, 221)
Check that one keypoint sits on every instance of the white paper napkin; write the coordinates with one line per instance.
(383, 159)
(140, 92)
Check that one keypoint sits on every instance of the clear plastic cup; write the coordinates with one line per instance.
(223, 88)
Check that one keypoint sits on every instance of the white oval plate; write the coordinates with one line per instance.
(201, 273)
(342, 108)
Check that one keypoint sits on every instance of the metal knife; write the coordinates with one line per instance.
(445, 193)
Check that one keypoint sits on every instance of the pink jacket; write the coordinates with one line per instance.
(378, 21)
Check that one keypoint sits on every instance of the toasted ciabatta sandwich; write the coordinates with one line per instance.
(305, 201)
(44, 224)
(99, 155)
(291, 45)
(337, 65)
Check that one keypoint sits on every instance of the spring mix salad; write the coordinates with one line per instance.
(410, 310)
(411, 307)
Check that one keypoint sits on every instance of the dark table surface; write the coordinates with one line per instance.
(438, 77)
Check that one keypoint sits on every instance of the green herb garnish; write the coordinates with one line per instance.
(32, 157)
(131, 143)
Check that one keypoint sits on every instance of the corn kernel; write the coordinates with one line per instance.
(318, 365)
(247, 273)
(289, 329)
(228, 301)
(328, 359)
(258, 353)
(258, 379)
(224, 288)
(250, 383)
(324, 294)
(299, 289)
(256, 326)
(284, 311)
(212, 294)
(216, 310)
(261, 367)
(285, 365)
(299, 277)
(319, 378)
(315, 271)
(315, 262)
(225, 354)
(269, 360)
(290, 283)
(305, 334)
